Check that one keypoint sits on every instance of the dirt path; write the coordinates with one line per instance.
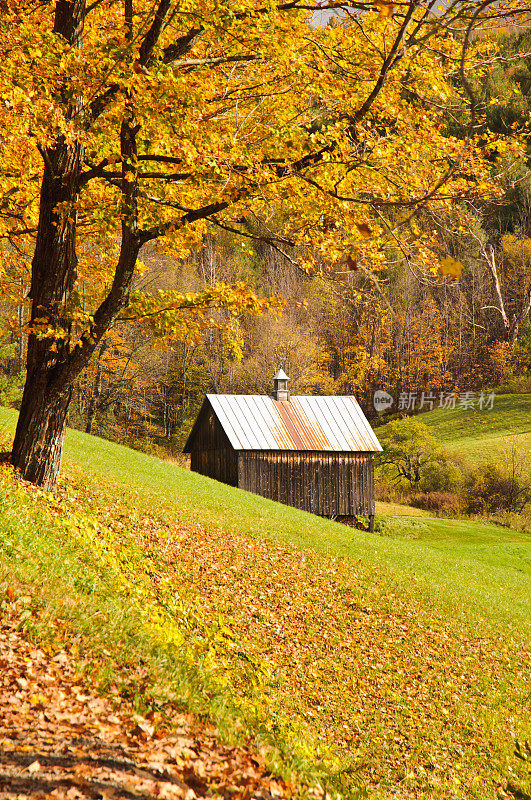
(58, 739)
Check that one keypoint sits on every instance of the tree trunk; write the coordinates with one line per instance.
(94, 400)
(39, 437)
(42, 419)
(38, 445)
(53, 361)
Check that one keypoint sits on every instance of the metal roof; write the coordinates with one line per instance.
(258, 422)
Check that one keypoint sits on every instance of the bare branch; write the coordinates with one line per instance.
(206, 62)
(490, 258)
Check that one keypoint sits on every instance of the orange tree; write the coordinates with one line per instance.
(127, 122)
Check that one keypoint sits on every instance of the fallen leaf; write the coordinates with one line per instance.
(38, 700)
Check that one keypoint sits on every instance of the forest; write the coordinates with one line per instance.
(372, 230)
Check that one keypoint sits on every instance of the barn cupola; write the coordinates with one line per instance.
(280, 384)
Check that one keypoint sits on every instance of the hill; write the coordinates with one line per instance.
(61, 740)
(399, 662)
(483, 435)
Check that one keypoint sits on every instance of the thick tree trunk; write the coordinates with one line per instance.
(39, 437)
(38, 445)
(40, 430)
(53, 361)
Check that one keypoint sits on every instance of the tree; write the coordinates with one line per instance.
(146, 121)
(412, 453)
(502, 242)
(498, 487)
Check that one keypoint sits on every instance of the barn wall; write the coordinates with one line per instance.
(328, 484)
(211, 453)
(222, 465)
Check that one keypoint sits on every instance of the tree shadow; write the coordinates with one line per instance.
(36, 784)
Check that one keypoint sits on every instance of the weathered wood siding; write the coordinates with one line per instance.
(324, 483)
(211, 453)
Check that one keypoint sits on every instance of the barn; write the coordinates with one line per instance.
(314, 453)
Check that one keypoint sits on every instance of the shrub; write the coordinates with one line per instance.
(490, 488)
(441, 475)
(508, 519)
(387, 492)
(439, 502)
(11, 383)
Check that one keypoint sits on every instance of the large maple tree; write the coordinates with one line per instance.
(128, 122)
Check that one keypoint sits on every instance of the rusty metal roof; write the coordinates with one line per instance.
(258, 422)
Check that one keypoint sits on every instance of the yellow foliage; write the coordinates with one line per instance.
(263, 114)
(449, 266)
(517, 249)
(385, 8)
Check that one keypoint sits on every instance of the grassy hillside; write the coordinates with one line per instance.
(483, 435)
(401, 658)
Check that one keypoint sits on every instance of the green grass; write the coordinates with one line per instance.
(485, 435)
(497, 595)
(490, 545)
(390, 652)
(400, 510)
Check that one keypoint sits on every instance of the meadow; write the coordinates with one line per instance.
(485, 435)
(393, 664)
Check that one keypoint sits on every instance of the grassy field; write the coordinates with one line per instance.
(400, 658)
(399, 510)
(485, 435)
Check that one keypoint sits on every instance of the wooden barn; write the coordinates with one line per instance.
(314, 453)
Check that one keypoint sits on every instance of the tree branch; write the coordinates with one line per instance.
(182, 45)
(490, 258)
(152, 36)
(206, 62)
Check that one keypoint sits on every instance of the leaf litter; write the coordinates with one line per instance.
(420, 705)
(59, 739)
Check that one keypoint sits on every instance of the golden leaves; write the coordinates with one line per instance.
(517, 249)
(70, 718)
(231, 141)
(385, 9)
(173, 315)
(449, 266)
(301, 618)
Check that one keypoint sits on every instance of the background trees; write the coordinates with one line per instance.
(149, 122)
